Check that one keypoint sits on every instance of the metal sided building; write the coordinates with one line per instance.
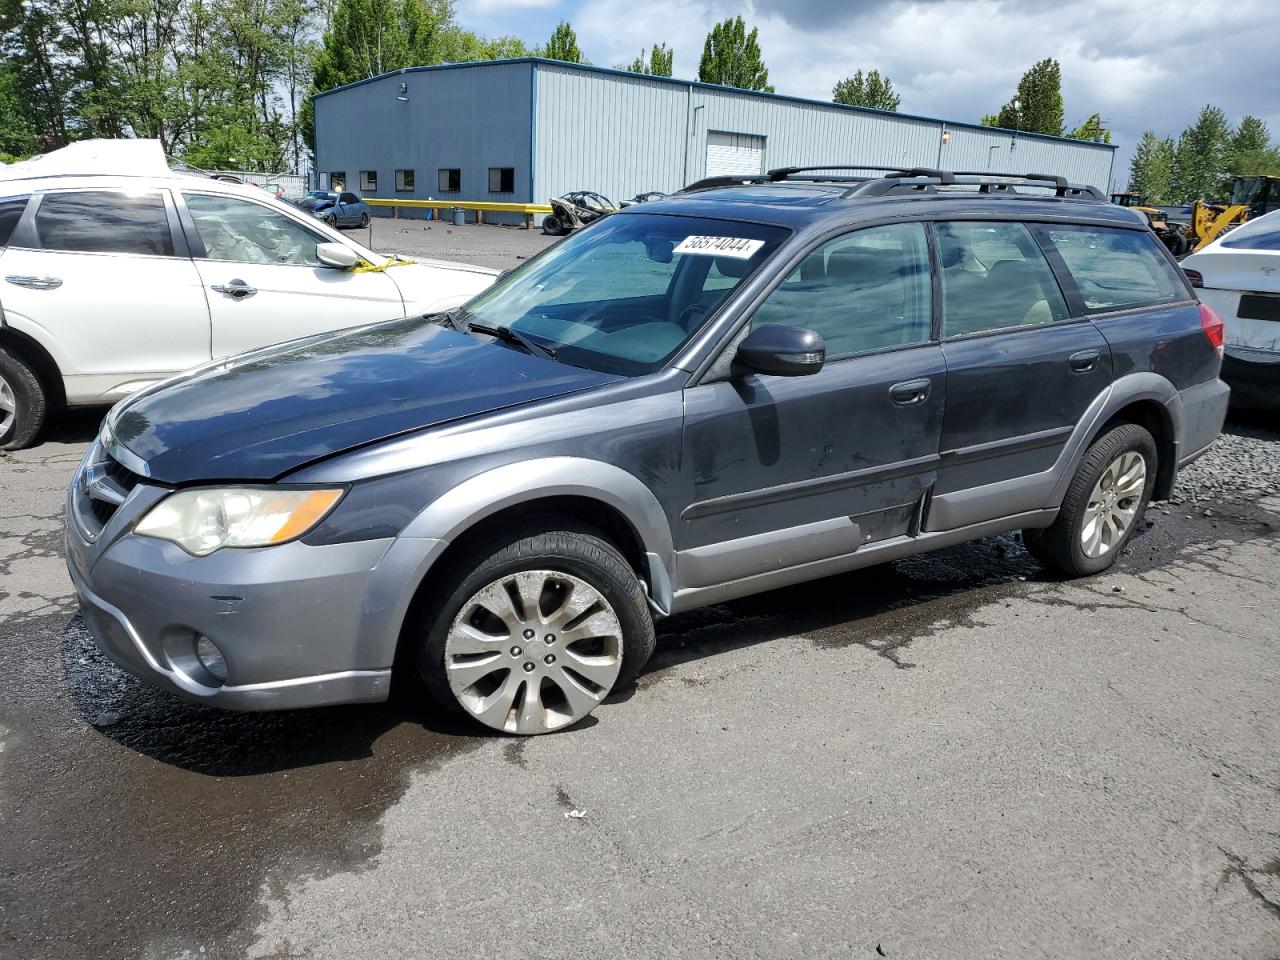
(527, 129)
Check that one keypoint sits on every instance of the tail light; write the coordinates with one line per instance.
(1195, 276)
(1213, 327)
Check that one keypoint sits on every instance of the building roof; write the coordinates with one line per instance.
(698, 84)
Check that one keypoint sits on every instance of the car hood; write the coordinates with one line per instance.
(263, 414)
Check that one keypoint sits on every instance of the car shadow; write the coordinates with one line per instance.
(74, 425)
(222, 743)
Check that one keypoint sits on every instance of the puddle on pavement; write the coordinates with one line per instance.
(139, 815)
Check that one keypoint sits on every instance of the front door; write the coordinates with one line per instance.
(104, 278)
(787, 470)
(264, 282)
(1020, 372)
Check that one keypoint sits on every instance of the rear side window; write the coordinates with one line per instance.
(994, 276)
(104, 221)
(10, 213)
(1115, 269)
(864, 291)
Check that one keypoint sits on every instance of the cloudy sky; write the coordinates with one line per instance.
(1141, 63)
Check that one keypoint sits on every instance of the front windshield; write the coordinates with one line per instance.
(625, 294)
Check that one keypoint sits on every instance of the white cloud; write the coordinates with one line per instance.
(491, 7)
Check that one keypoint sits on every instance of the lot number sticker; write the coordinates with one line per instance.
(739, 248)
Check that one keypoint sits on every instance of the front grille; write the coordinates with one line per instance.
(102, 485)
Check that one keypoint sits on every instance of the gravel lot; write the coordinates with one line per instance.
(953, 756)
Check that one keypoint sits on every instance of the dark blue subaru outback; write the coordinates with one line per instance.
(749, 384)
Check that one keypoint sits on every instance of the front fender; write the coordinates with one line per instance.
(485, 494)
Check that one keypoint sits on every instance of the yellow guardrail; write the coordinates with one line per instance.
(481, 207)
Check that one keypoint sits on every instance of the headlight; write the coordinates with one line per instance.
(202, 521)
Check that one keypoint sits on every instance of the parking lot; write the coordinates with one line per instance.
(948, 756)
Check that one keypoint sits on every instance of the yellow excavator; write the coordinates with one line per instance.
(1250, 197)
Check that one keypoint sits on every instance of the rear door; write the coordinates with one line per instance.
(264, 282)
(103, 279)
(1021, 371)
(787, 470)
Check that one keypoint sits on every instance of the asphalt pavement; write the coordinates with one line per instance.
(954, 756)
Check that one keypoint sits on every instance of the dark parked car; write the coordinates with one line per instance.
(738, 388)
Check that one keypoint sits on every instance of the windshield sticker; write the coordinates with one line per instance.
(739, 248)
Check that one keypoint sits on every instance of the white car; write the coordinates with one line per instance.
(109, 283)
(1239, 277)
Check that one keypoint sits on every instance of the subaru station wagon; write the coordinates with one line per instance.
(756, 382)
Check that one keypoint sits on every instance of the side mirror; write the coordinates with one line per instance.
(336, 255)
(782, 350)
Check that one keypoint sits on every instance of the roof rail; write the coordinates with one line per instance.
(914, 179)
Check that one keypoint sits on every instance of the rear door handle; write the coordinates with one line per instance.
(910, 392)
(236, 289)
(34, 283)
(1084, 361)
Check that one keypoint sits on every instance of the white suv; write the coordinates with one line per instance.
(110, 283)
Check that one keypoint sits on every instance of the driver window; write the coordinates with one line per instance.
(245, 232)
(863, 291)
(348, 198)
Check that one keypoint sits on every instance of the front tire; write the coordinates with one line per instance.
(1103, 506)
(364, 221)
(332, 221)
(551, 225)
(22, 402)
(536, 632)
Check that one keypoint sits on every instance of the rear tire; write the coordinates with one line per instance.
(23, 403)
(537, 629)
(1103, 507)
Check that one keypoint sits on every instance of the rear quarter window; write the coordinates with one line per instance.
(1116, 269)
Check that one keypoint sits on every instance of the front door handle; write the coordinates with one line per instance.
(1084, 361)
(236, 289)
(35, 283)
(910, 392)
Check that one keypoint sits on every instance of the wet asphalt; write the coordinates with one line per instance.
(948, 756)
(136, 824)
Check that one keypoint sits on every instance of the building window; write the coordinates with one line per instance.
(404, 181)
(502, 179)
(368, 181)
(450, 180)
(338, 180)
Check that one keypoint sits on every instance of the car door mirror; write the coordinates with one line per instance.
(782, 350)
(336, 255)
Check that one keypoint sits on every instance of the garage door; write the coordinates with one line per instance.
(730, 154)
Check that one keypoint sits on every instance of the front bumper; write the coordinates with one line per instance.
(298, 625)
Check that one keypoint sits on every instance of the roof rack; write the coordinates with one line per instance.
(890, 180)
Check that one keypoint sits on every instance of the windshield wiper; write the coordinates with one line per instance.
(507, 335)
(448, 319)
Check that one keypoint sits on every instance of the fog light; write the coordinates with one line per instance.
(211, 658)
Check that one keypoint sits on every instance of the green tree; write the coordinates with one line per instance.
(731, 57)
(657, 64)
(1201, 157)
(872, 90)
(18, 136)
(563, 45)
(1091, 129)
(1250, 152)
(1151, 169)
(1037, 107)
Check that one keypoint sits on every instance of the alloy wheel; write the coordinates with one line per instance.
(1113, 504)
(8, 406)
(533, 651)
